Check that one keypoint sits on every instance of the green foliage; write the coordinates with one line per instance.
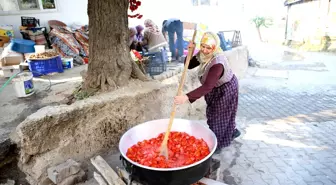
(260, 21)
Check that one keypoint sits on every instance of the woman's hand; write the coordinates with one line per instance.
(191, 45)
(178, 100)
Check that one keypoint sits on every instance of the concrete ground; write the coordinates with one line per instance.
(287, 115)
(14, 110)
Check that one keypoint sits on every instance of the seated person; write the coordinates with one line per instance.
(139, 34)
(153, 37)
(132, 38)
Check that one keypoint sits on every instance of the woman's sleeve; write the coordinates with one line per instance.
(145, 39)
(215, 72)
(193, 62)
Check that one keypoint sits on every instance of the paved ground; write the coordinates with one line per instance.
(14, 110)
(289, 126)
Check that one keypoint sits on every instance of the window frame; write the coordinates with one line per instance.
(31, 11)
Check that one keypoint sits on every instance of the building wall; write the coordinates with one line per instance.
(310, 19)
(68, 11)
(226, 16)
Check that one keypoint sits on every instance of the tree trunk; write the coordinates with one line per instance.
(259, 34)
(110, 63)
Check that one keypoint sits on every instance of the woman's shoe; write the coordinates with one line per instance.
(236, 133)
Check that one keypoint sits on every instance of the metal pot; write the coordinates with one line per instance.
(167, 176)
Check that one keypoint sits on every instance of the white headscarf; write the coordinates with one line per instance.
(152, 27)
(211, 39)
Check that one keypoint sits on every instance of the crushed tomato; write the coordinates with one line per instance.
(183, 150)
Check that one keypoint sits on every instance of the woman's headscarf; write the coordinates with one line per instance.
(132, 31)
(139, 29)
(211, 39)
(152, 27)
(139, 35)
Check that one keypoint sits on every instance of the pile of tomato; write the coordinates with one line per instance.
(183, 150)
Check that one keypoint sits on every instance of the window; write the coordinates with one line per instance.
(194, 2)
(204, 2)
(26, 6)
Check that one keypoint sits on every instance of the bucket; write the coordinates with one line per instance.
(39, 49)
(23, 84)
(67, 63)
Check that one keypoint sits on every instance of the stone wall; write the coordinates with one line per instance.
(238, 59)
(94, 125)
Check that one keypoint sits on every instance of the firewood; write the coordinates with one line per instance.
(126, 176)
(99, 179)
(107, 172)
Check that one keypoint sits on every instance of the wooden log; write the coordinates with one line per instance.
(99, 178)
(107, 172)
(126, 176)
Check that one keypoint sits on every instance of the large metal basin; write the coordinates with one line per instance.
(172, 176)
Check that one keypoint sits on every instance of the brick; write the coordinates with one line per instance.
(279, 162)
(9, 182)
(312, 170)
(315, 183)
(74, 179)
(282, 178)
(62, 171)
(264, 158)
(298, 180)
(272, 168)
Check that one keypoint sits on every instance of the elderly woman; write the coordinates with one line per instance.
(219, 87)
(153, 37)
(132, 41)
(139, 34)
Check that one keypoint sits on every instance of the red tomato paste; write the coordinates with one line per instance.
(183, 150)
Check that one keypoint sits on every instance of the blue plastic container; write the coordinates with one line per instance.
(43, 67)
(225, 45)
(22, 46)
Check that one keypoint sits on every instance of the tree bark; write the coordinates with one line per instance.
(110, 63)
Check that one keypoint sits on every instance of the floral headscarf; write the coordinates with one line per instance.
(211, 39)
(152, 27)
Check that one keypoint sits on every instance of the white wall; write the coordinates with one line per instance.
(224, 17)
(69, 12)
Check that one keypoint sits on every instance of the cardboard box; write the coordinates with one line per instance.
(7, 30)
(9, 71)
(12, 59)
(189, 25)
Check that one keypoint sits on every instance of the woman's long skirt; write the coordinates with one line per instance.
(222, 104)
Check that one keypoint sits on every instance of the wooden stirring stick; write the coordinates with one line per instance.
(164, 148)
